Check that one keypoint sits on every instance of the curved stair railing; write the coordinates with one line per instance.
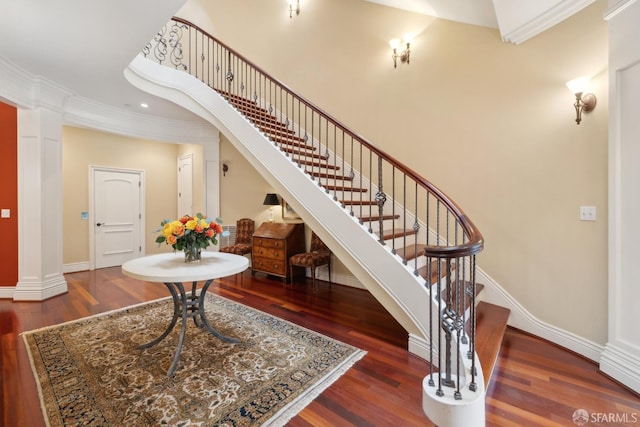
(423, 227)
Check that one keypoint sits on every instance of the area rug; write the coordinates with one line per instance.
(90, 373)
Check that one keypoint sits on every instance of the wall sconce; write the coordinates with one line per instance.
(271, 200)
(225, 169)
(405, 54)
(294, 6)
(585, 102)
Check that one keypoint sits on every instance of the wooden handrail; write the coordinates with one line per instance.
(475, 240)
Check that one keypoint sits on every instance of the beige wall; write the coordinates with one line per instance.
(491, 124)
(82, 148)
(242, 190)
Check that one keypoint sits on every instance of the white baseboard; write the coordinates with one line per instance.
(40, 291)
(621, 365)
(6, 292)
(340, 279)
(75, 266)
(522, 319)
(419, 347)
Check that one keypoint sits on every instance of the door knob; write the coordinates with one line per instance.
(99, 224)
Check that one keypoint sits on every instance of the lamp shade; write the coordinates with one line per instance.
(271, 199)
(578, 85)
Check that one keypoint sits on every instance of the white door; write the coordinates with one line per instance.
(185, 185)
(117, 216)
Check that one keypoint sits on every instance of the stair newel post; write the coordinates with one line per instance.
(370, 228)
(472, 315)
(416, 225)
(458, 324)
(404, 219)
(441, 327)
(448, 324)
(352, 174)
(335, 160)
(465, 297)
(381, 198)
(430, 288)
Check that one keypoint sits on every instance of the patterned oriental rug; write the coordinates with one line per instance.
(89, 371)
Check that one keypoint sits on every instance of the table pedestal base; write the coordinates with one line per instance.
(187, 306)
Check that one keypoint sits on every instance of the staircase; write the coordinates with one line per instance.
(406, 241)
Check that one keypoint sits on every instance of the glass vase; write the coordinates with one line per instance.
(192, 254)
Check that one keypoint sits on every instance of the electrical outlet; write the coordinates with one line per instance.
(587, 213)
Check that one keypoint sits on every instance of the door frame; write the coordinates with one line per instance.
(180, 159)
(92, 222)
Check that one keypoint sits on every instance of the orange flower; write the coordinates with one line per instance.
(171, 240)
(178, 228)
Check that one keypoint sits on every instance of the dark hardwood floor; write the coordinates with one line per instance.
(534, 383)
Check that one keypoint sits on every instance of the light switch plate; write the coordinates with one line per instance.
(6, 213)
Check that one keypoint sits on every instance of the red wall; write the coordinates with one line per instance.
(9, 194)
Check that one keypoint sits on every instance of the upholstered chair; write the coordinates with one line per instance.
(244, 234)
(318, 255)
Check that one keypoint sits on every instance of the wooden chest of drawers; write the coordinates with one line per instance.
(273, 244)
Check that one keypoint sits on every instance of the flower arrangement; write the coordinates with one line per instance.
(190, 234)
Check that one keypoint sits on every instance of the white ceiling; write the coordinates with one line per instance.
(477, 12)
(517, 20)
(84, 46)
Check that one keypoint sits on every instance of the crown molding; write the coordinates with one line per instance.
(25, 90)
(28, 91)
(545, 20)
(83, 112)
(616, 8)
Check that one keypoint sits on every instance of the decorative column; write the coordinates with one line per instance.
(39, 205)
(621, 356)
(211, 172)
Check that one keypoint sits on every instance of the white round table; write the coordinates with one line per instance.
(173, 271)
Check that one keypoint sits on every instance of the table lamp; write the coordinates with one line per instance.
(271, 200)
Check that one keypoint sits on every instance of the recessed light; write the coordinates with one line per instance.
(144, 105)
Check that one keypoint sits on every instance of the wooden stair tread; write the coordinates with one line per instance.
(315, 164)
(491, 324)
(302, 153)
(422, 271)
(410, 252)
(282, 140)
(266, 123)
(344, 188)
(396, 232)
(283, 133)
(328, 174)
(359, 202)
(374, 218)
(234, 97)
